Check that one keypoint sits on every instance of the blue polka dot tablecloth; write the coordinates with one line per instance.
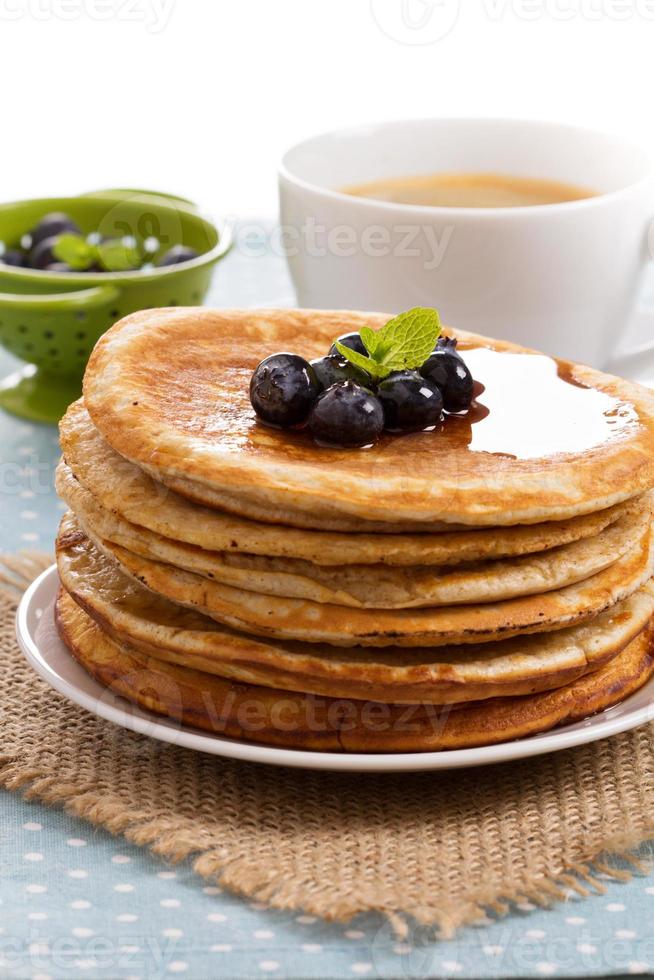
(77, 902)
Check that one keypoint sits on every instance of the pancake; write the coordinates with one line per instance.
(128, 492)
(131, 614)
(295, 619)
(367, 586)
(546, 440)
(260, 714)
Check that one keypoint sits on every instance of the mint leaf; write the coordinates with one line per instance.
(408, 339)
(74, 250)
(361, 361)
(118, 255)
(369, 338)
(403, 343)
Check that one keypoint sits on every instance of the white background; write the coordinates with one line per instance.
(200, 97)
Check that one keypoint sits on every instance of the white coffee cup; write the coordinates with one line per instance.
(562, 278)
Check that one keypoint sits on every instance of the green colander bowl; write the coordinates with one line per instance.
(53, 319)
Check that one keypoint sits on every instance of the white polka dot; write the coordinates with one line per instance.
(575, 920)
(402, 949)
(76, 842)
(258, 906)
(29, 536)
(177, 966)
(493, 950)
(525, 906)
(535, 933)
(212, 890)
(545, 969)
(649, 890)
(26, 450)
(124, 888)
(258, 933)
(30, 825)
(172, 933)
(353, 934)
(306, 920)
(170, 903)
(81, 932)
(41, 976)
(77, 873)
(129, 950)
(615, 907)
(27, 495)
(79, 904)
(37, 916)
(587, 949)
(36, 889)
(166, 874)
(361, 968)
(127, 917)
(85, 964)
(120, 859)
(217, 917)
(38, 949)
(268, 965)
(625, 934)
(28, 515)
(638, 967)
(452, 966)
(32, 856)
(220, 948)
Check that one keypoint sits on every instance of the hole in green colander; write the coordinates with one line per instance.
(82, 353)
(22, 328)
(53, 352)
(195, 296)
(80, 335)
(80, 315)
(173, 302)
(48, 334)
(114, 314)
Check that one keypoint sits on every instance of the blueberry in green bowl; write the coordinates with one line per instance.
(70, 267)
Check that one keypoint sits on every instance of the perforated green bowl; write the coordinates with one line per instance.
(53, 319)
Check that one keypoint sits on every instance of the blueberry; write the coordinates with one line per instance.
(14, 257)
(42, 254)
(346, 415)
(351, 340)
(283, 389)
(410, 402)
(177, 254)
(334, 368)
(447, 369)
(53, 224)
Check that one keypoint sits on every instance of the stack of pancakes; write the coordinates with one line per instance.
(441, 589)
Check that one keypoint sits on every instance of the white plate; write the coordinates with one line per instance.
(40, 642)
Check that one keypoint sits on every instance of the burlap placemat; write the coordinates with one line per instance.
(437, 849)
